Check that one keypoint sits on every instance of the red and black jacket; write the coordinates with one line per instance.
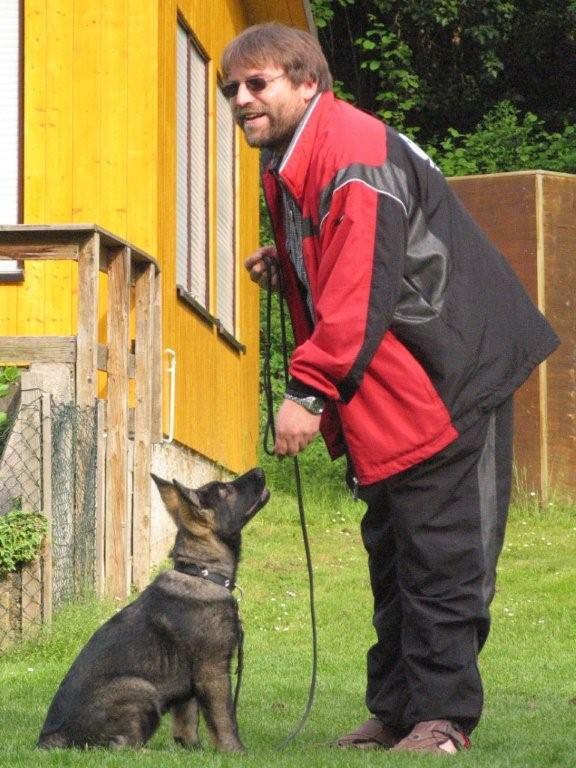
(419, 323)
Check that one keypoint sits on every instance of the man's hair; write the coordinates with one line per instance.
(297, 52)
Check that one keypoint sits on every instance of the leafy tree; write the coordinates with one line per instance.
(444, 64)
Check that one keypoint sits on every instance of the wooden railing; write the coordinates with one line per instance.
(128, 269)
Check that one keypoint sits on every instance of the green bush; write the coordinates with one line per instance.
(8, 375)
(21, 537)
(505, 141)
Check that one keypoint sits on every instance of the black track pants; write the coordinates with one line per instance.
(433, 535)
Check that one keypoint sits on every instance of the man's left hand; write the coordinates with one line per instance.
(295, 428)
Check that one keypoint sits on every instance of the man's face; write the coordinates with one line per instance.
(270, 116)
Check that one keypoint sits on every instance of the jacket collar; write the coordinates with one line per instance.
(294, 164)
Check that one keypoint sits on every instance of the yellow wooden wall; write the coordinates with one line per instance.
(217, 388)
(99, 146)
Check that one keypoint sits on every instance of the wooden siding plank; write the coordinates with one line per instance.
(37, 349)
(145, 295)
(100, 525)
(31, 305)
(59, 157)
(142, 124)
(295, 14)
(35, 52)
(39, 251)
(113, 116)
(87, 349)
(542, 368)
(559, 279)
(59, 111)
(8, 310)
(117, 432)
(88, 93)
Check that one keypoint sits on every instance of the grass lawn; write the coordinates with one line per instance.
(529, 663)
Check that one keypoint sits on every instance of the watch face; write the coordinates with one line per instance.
(315, 405)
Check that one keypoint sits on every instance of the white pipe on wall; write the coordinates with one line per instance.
(172, 408)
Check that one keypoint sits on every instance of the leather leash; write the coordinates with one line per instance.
(269, 431)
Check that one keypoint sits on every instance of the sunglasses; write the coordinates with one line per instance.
(254, 85)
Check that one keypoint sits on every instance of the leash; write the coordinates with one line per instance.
(269, 431)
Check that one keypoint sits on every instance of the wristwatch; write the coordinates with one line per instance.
(311, 403)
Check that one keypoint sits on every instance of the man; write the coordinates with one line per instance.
(412, 334)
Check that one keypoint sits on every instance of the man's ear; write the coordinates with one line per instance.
(309, 89)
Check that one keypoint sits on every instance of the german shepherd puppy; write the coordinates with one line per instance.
(171, 649)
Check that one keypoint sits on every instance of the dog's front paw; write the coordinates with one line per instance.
(230, 745)
(187, 743)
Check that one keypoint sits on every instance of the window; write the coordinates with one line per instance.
(192, 274)
(10, 150)
(225, 220)
(199, 236)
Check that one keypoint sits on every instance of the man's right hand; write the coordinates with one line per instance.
(259, 269)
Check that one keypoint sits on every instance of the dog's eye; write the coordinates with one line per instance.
(225, 491)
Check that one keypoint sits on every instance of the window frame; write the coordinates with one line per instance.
(230, 334)
(16, 273)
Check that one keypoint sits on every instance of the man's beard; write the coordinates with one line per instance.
(276, 137)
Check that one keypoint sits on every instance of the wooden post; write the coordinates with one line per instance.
(87, 342)
(145, 296)
(47, 508)
(117, 432)
(100, 532)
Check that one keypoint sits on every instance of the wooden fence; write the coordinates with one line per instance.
(133, 285)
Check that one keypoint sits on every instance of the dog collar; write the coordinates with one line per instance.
(199, 570)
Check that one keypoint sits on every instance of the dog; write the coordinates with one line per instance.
(172, 648)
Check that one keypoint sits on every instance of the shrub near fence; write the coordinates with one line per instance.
(48, 465)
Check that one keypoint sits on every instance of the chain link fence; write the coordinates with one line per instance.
(74, 454)
(49, 459)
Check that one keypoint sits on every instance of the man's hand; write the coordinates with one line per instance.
(256, 265)
(295, 428)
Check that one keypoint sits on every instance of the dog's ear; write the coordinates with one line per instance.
(169, 496)
(192, 514)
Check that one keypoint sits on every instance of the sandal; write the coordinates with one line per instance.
(372, 734)
(437, 736)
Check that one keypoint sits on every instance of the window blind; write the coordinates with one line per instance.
(225, 234)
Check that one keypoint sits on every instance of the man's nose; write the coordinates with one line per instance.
(244, 95)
